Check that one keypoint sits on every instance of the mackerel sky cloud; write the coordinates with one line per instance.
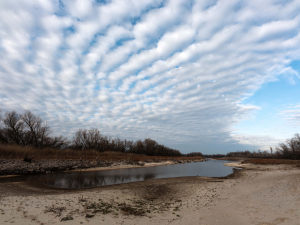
(209, 76)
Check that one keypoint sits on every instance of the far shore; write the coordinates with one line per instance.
(19, 167)
(127, 166)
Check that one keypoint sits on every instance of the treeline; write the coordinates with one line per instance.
(288, 150)
(28, 129)
(254, 154)
(214, 156)
(192, 154)
(92, 139)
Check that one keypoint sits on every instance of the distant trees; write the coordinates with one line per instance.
(288, 150)
(255, 154)
(248, 154)
(214, 156)
(194, 154)
(87, 139)
(92, 139)
(28, 129)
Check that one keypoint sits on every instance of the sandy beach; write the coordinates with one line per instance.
(258, 194)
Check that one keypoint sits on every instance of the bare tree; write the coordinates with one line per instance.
(150, 146)
(290, 150)
(14, 128)
(129, 146)
(119, 145)
(87, 139)
(28, 129)
(38, 129)
(56, 142)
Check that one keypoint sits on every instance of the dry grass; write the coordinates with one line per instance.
(20, 152)
(129, 210)
(55, 209)
(272, 161)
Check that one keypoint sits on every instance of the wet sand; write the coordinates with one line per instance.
(261, 195)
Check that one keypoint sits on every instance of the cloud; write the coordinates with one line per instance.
(264, 142)
(292, 115)
(175, 71)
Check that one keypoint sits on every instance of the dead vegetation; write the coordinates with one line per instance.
(140, 207)
(57, 210)
(28, 158)
(273, 161)
(102, 207)
(145, 200)
(28, 152)
(113, 207)
(129, 210)
(66, 218)
(21, 152)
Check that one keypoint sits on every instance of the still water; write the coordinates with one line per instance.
(88, 179)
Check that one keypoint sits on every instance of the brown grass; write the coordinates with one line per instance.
(272, 161)
(20, 152)
(55, 209)
(129, 210)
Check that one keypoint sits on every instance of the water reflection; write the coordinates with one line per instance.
(91, 179)
(88, 179)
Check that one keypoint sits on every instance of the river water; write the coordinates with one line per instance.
(88, 179)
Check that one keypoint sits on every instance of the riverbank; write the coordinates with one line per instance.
(258, 194)
(19, 167)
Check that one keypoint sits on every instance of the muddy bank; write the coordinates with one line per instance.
(19, 167)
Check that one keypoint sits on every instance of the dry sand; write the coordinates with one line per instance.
(260, 195)
(126, 166)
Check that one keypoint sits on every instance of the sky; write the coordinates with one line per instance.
(206, 75)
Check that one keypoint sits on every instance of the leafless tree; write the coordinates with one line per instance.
(39, 130)
(290, 150)
(87, 139)
(28, 129)
(14, 128)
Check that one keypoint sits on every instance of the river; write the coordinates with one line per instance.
(88, 179)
